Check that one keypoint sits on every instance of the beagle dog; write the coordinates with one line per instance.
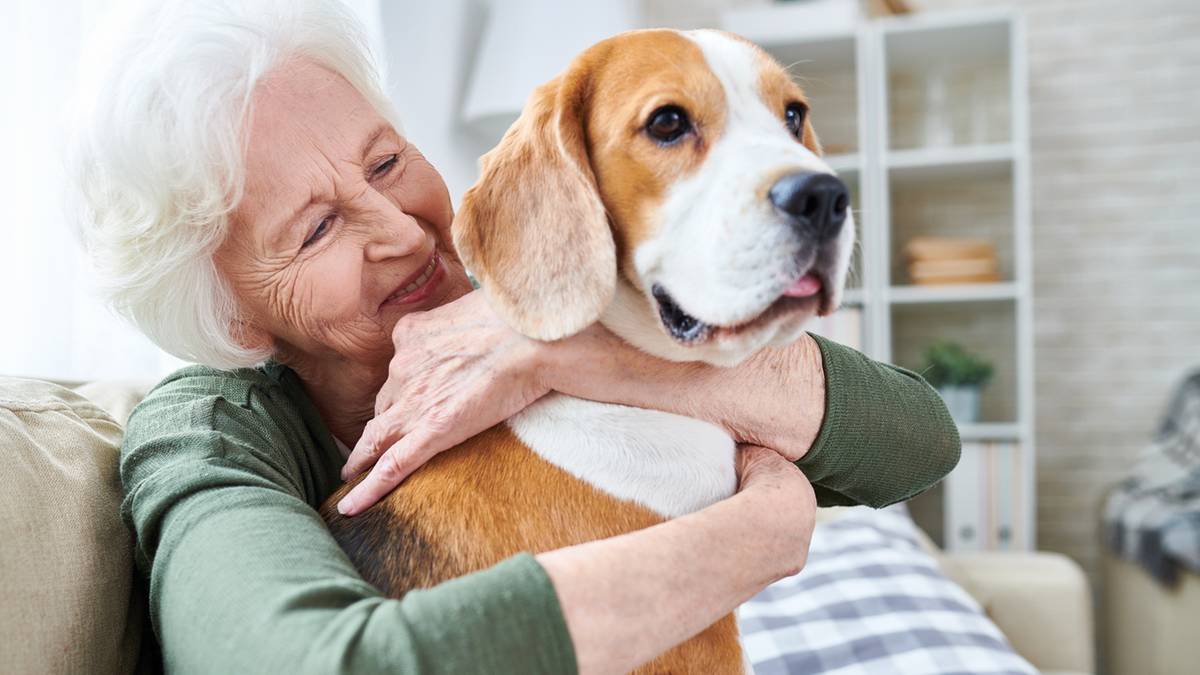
(669, 185)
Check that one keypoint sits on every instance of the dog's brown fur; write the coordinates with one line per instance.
(490, 498)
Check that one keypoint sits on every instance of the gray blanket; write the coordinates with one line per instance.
(871, 601)
(1153, 517)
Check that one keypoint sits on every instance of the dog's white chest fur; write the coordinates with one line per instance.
(668, 463)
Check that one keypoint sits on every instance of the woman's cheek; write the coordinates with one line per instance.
(334, 285)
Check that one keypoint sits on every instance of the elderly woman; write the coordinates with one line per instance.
(253, 206)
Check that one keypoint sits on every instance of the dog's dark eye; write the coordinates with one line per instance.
(668, 123)
(794, 116)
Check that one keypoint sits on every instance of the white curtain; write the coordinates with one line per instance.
(51, 323)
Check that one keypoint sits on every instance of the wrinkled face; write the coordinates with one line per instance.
(730, 230)
(343, 227)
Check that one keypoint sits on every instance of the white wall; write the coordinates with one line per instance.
(430, 47)
(51, 324)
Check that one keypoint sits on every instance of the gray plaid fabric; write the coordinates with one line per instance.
(1153, 517)
(870, 600)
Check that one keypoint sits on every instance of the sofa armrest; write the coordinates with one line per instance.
(1040, 601)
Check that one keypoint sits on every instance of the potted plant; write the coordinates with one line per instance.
(958, 376)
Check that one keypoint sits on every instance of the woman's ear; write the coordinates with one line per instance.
(533, 230)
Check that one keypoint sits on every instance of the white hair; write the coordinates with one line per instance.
(160, 148)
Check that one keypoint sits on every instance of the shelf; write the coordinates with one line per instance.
(968, 161)
(990, 431)
(944, 152)
(925, 41)
(901, 295)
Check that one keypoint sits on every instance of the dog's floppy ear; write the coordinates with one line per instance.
(533, 230)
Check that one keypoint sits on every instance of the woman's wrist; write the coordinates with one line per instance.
(763, 536)
(774, 399)
(694, 569)
(777, 397)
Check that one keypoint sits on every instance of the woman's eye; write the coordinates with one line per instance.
(322, 228)
(668, 124)
(385, 167)
(794, 116)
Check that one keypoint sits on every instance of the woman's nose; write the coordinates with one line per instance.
(393, 233)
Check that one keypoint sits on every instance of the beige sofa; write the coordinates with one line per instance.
(1041, 601)
(69, 601)
(1149, 629)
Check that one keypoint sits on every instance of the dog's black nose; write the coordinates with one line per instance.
(815, 202)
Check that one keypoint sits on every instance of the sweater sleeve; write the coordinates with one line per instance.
(886, 436)
(244, 576)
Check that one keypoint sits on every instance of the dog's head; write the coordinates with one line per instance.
(670, 185)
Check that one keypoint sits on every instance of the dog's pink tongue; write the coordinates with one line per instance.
(807, 285)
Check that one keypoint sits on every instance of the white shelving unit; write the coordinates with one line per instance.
(860, 84)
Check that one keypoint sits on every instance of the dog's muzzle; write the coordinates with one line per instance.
(815, 206)
(814, 203)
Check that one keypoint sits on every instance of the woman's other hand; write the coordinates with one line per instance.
(692, 569)
(787, 502)
(457, 371)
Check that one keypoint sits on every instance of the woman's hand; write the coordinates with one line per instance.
(692, 569)
(457, 371)
(787, 500)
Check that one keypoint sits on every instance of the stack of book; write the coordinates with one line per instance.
(983, 498)
(950, 260)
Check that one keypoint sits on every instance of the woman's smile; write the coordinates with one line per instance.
(418, 287)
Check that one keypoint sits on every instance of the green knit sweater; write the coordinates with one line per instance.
(222, 473)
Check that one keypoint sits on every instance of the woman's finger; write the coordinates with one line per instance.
(749, 458)
(393, 467)
(763, 466)
(381, 433)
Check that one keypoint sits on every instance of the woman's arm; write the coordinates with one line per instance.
(220, 485)
(864, 432)
(691, 570)
(221, 479)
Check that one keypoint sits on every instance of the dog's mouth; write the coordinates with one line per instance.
(808, 293)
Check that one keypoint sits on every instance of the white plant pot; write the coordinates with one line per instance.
(962, 402)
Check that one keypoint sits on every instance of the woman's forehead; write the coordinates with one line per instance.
(309, 126)
(302, 106)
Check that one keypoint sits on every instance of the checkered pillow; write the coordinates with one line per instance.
(870, 600)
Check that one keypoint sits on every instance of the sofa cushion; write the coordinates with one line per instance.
(65, 555)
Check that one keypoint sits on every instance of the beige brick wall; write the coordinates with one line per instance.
(1115, 133)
